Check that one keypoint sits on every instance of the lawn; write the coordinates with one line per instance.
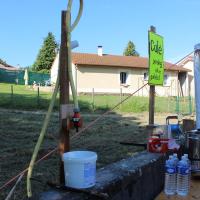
(23, 97)
(19, 131)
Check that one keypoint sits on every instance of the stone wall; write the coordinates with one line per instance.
(140, 177)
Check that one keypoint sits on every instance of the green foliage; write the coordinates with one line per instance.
(130, 50)
(43, 71)
(46, 54)
(3, 62)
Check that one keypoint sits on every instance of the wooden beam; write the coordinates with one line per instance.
(64, 142)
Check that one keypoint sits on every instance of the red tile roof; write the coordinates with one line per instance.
(8, 67)
(118, 61)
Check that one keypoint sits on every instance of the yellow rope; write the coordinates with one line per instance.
(40, 139)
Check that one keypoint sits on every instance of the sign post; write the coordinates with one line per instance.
(156, 68)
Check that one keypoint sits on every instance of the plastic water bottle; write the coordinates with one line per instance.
(183, 177)
(170, 176)
(176, 160)
(189, 163)
(188, 160)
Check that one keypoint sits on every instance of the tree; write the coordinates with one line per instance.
(130, 50)
(46, 54)
(3, 62)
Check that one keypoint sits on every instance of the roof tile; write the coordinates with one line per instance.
(9, 67)
(118, 61)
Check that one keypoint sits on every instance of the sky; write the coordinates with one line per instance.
(110, 23)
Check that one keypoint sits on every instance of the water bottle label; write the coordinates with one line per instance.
(183, 170)
(170, 170)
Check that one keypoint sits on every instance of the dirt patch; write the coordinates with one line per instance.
(19, 131)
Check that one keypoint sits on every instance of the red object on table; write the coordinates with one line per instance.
(157, 145)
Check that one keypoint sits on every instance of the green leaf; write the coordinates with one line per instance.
(46, 54)
(130, 50)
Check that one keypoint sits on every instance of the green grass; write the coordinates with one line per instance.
(19, 131)
(26, 98)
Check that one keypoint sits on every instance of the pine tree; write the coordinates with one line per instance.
(46, 54)
(130, 50)
(3, 62)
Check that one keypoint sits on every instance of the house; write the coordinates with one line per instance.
(187, 82)
(111, 74)
(7, 67)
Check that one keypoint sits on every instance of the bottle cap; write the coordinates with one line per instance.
(183, 158)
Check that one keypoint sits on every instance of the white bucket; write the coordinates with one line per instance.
(80, 169)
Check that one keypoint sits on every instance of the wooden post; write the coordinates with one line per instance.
(64, 143)
(11, 87)
(38, 95)
(151, 94)
(168, 103)
(142, 88)
(120, 98)
(190, 104)
(93, 99)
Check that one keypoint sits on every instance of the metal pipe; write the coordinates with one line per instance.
(197, 81)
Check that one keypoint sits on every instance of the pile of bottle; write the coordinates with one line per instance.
(177, 175)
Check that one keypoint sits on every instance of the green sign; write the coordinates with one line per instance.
(156, 59)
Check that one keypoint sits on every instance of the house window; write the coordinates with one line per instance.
(146, 76)
(166, 80)
(123, 77)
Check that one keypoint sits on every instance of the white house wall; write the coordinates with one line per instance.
(54, 70)
(107, 80)
(190, 80)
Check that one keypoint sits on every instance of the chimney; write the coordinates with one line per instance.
(100, 51)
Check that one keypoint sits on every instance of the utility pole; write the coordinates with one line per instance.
(64, 143)
(151, 94)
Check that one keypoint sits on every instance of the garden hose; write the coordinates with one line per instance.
(48, 115)
(70, 28)
(78, 17)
